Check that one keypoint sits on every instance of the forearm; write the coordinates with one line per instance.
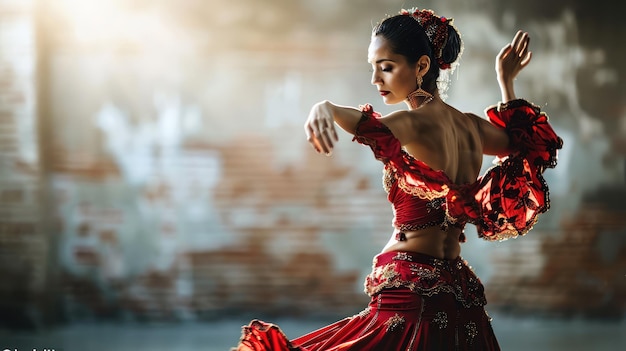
(507, 90)
(510, 61)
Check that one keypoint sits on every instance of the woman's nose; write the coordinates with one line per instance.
(375, 78)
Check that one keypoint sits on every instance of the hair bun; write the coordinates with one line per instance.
(451, 49)
(444, 38)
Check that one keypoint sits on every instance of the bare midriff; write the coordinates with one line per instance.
(429, 241)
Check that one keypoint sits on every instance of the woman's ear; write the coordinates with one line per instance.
(422, 66)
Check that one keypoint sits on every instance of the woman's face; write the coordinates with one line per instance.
(392, 75)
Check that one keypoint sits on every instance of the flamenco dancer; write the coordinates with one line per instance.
(423, 294)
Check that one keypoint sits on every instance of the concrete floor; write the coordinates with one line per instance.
(513, 333)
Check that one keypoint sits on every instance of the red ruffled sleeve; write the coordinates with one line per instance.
(511, 195)
(531, 136)
(414, 176)
(371, 132)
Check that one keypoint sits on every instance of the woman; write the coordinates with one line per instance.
(424, 296)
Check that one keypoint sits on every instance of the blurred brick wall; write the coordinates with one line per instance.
(577, 271)
(179, 197)
(175, 196)
(23, 245)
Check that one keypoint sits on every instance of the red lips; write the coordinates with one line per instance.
(383, 92)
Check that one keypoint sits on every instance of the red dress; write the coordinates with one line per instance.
(419, 302)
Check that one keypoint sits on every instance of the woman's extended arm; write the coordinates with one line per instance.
(510, 61)
(320, 125)
(495, 140)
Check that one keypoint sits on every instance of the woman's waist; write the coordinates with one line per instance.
(430, 241)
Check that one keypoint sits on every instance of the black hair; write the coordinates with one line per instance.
(407, 37)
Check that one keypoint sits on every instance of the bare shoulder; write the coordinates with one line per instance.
(402, 124)
(476, 119)
(396, 117)
(416, 125)
(495, 141)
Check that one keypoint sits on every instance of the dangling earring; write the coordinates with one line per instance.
(419, 93)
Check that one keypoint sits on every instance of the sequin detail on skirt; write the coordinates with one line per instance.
(418, 303)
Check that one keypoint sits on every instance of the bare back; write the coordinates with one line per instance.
(442, 137)
(445, 139)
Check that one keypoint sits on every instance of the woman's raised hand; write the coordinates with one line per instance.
(320, 128)
(510, 61)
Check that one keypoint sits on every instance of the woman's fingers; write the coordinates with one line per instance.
(524, 53)
(321, 136)
(526, 60)
(320, 129)
(516, 54)
(517, 39)
(327, 144)
(310, 136)
(505, 51)
(325, 134)
(334, 133)
(525, 44)
(521, 43)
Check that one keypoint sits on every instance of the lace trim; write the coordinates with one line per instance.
(388, 178)
(503, 106)
(447, 221)
(407, 227)
(424, 281)
(363, 313)
(511, 233)
(425, 194)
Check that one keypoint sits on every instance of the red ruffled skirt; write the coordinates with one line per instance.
(418, 303)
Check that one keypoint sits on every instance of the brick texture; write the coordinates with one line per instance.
(23, 247)
(180, 185)
(577, 271)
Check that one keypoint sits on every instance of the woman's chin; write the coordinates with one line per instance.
(387, 100)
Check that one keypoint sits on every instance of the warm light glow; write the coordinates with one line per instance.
(93, 20)
(113, 22)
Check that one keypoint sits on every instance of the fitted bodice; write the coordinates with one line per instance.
(503, 203)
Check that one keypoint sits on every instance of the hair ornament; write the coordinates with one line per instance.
(436, 29)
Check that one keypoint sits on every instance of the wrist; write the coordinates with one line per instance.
(329, 106)
(505, 83)
(507, 91)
